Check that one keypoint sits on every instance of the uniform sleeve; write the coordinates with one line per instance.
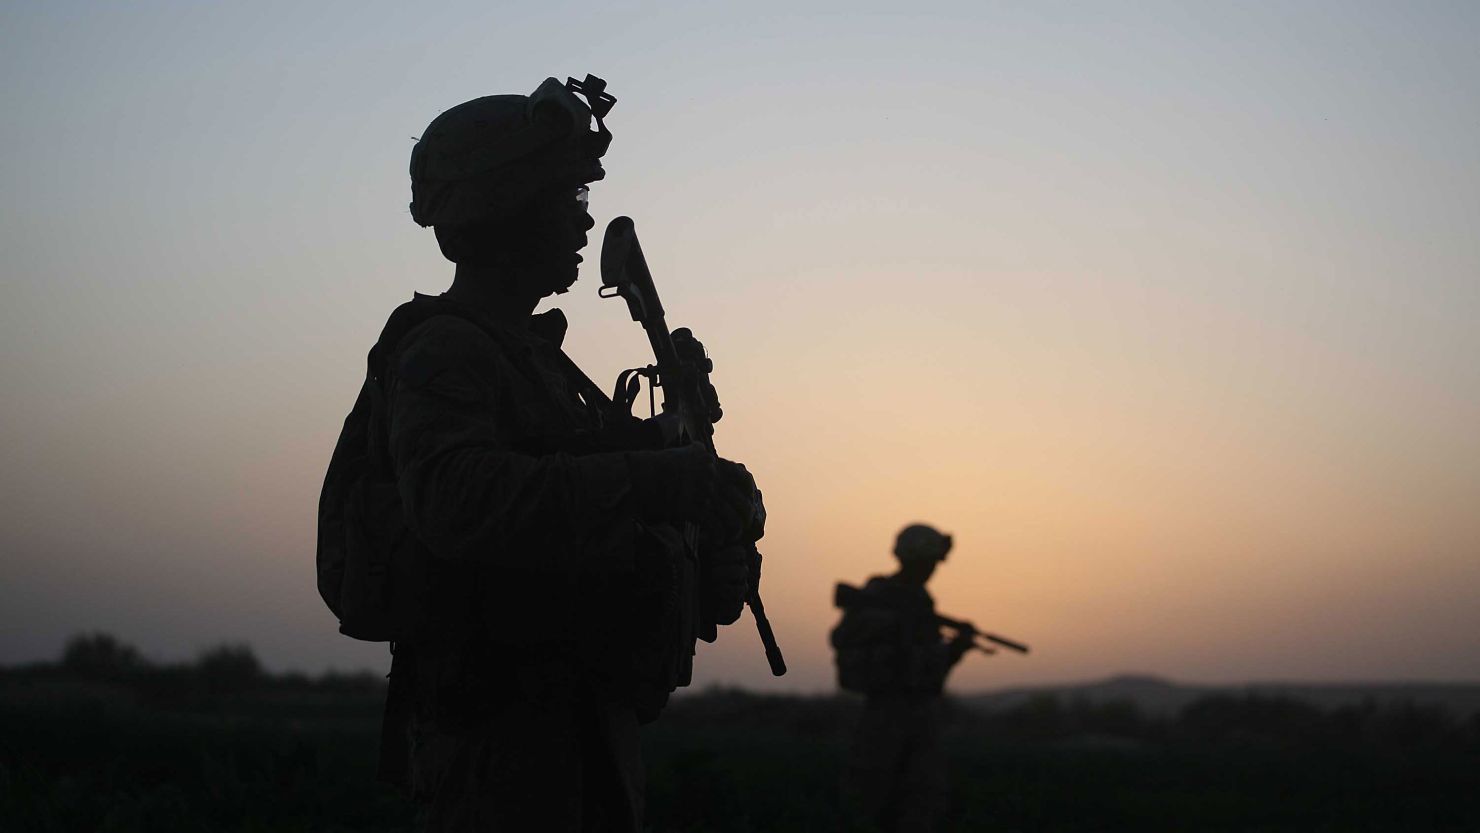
(468, 495)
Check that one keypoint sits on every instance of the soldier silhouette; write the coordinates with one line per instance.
(491, 514)
(890, 648)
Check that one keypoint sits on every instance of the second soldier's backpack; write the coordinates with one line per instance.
(888, 643)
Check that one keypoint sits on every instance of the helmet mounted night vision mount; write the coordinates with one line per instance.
(593, 89)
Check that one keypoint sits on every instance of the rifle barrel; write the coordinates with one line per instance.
(1007, 643)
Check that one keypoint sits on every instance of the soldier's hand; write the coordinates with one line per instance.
(758, 522)
(665, 427)
(674, 484)
(962, 642)
(724, 582)
(735, 513)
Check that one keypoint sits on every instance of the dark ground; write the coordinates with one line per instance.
(106, 742)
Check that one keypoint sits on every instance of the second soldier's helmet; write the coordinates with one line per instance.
(921, 542)
(484, 158)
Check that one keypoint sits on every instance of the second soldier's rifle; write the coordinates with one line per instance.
(681, 370)
(847, 596)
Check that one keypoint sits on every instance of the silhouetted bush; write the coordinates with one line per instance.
(1046, 718)
(1114, 717)
(229, 668)
(1041, 718)
(355, 682)
(99, 656)
(1253, 719)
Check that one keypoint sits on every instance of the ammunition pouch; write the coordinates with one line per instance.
(648, 624)
(382, 594)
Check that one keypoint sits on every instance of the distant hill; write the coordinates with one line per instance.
(1158, 697)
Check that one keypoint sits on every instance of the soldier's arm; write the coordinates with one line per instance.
(957, 647)
(467, 493)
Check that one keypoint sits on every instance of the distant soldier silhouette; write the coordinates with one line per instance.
(495, 517)
(890, 648)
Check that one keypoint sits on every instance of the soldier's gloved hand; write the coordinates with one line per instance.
(672, 485)
(735, 513)
(665, 427)
(724, 582)
(757, 529)
(962, 642)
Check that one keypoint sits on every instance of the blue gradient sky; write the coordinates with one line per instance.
(1167, 311)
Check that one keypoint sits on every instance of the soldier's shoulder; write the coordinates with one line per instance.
(877, 598)
(449, 333)
(429, 336)
(901, 594)
(436, 323)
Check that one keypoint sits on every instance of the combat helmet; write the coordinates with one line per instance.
(484, 158)
(921, 542)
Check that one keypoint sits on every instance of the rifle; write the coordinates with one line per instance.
(682, 370)
(847, 596)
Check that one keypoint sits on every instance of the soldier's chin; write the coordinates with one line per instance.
(563, 276)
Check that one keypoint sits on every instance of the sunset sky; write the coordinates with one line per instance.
(1168, 312)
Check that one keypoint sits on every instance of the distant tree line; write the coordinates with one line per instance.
(1251, 720)
(105, 739)
(222, 671)
(1067, 763)
(1254, 722)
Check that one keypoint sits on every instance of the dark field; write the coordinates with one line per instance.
(106, 742)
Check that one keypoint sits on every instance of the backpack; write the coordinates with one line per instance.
(369, 571)
(879, 645)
